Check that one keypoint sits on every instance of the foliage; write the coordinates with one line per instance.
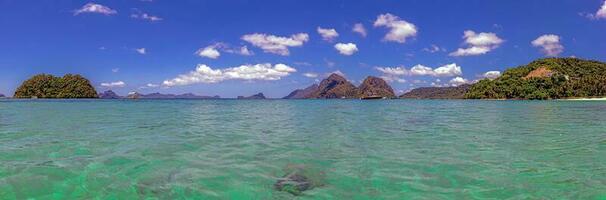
(49, 86)
(571, 77)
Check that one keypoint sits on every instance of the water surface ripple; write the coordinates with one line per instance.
(229, 149)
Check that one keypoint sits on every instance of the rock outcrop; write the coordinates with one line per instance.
(2, 96)
(375, 87)
(303, 93)
(109, 95)
(294, 183)
(256, 96)
(335, 86)
(437, 92)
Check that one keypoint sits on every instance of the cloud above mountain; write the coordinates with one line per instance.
(478, 43)
(550, 44)
(347, 49)
(205, 74)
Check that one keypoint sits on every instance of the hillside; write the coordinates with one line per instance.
(335, 86)
(437, 92)
(549, 78)
(49, 86)
(303, 93)
(373, 86)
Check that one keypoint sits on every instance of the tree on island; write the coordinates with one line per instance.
(49, 86)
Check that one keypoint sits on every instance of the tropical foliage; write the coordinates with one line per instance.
(49, 86)
(569, 77)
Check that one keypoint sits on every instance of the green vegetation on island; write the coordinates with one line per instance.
(49, 86)
(549, 78)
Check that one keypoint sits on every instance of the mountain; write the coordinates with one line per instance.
(2, 96)
(335, 86)
(256, 96)
(549, 78)
(49, 86)
(437, 92)
(109, 95)
(375, 87)
(303, 93)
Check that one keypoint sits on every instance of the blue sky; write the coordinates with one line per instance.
(245, 47)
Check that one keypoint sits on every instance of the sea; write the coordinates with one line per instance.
(346, 149)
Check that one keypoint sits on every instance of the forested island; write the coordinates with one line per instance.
(549, 78)
(49, 86)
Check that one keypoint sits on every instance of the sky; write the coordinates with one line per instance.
(240, 47)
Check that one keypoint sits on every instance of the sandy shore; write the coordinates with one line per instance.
(586, 99)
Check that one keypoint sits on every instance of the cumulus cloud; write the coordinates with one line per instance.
(208, 52)
(549, 44)
(144, 16)
(276, 44)
(115, 70)
(491, 74)
(95, 8)
(420, 70)
(310, 75)
(328, 34)
(600, 14)
(212, 51)
(347, 49)
(478, 43)
(141, 51)
(359, 28)
(399, 31)
(458, 81)
(205, 74)
(113, 84)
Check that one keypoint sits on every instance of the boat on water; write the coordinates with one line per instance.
(372, 97)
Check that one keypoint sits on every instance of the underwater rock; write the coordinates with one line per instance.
(294, 183)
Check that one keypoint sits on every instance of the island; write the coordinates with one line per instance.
(549, 78)
(336, 86)
(49, 86)
(255, 96)
(437, 92)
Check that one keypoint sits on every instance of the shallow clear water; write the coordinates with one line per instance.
(229, 149)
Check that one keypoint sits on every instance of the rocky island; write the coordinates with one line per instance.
(437, 92)
(255, 96)
(337, 87)
(49, 86)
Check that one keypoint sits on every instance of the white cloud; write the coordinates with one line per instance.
(448, 70)
(434, 48)
(549, 44)
(310, 75)
(115, 70)
(151, 85)
(205, 74)
(141, 51)
(359, 28)
(458, 81)
(209, 52)
(491, 74)
(95, 8)
(399, 31)
(114, 84)
(347, 49)
(145, 16)
(338, 72)
(602, 12)
(328, 34)
(212, 51)
(276, 44)
(478, 43)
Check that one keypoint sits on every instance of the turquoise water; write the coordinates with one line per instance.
(229, 149)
